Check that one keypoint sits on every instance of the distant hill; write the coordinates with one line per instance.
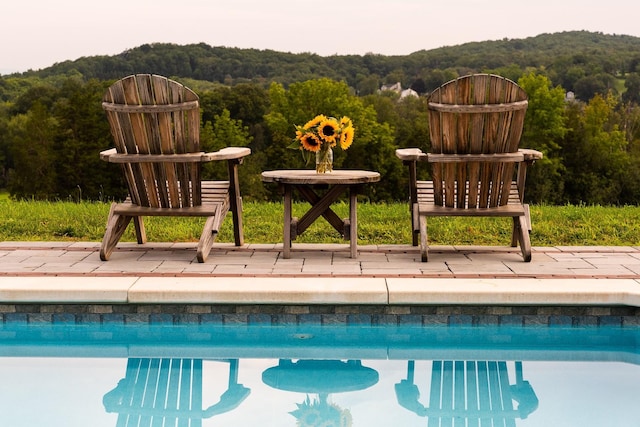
(577, 53)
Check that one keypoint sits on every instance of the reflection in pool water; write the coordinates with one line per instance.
(474, 391)
(99, 375)
(168, 391)
(321, 377)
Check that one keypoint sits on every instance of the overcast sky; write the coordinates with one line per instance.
(35, 34)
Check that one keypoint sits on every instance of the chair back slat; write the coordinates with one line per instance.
(476, 114)
(471, 393)
(151, 114)
(158, 392)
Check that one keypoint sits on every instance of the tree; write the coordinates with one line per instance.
(367, 84)
(82, 132)
(32, 139)
(419, 86)
(597, 161)
(632, 88)
(592, 85)
(544, 129)
(4, 146)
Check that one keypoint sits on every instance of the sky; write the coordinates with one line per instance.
(36, 34)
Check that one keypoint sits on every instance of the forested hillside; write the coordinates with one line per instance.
(52, 126)
(580, 61)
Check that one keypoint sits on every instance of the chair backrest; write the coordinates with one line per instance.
(169, 392)
(152, 115)
(479, 392)
(469, 393)
(158, 392)
(480, 114)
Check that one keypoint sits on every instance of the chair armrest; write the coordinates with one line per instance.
(104, 155)
(484, 158)
(227, 153)
(530, 155)
(112, 156)
(410, 154)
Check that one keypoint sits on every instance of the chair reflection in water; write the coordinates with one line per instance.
(470, 393)
(168, 392)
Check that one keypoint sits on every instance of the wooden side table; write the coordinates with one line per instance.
(306, 183)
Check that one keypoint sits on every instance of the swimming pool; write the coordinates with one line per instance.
(247, 375)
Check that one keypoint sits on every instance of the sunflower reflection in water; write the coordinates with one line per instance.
(321, 413)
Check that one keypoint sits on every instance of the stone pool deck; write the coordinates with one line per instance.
(63, 272)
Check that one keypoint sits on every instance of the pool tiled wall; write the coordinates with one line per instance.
(471, 315)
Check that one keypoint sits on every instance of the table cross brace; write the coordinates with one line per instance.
(321, 206)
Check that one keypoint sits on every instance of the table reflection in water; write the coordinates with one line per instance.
(322, 378)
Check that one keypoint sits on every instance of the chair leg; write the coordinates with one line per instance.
(527, 215)
(415, 227)
(209, 234)
(141, 234)
(235, 201)
(515, 234)
(526, 225)
(238, 227)
(206, 239)
(424, 246)
(523, 237)
(116, 226)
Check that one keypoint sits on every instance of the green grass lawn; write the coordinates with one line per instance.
(377, 224)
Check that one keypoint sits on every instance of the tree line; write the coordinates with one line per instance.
(52, 126)
(583, 62)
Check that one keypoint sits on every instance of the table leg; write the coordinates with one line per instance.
(353, 220)
(286, 243)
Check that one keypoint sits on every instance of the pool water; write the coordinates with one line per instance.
(198, 375)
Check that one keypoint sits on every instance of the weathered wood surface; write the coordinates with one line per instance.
(343, 177)
(155, 124)
(307, 184)
(476, 165)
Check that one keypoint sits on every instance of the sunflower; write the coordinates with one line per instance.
(310, 142)
(328, 130)
(315, 121)
(346, 137)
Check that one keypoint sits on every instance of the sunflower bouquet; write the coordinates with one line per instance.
(319, 136)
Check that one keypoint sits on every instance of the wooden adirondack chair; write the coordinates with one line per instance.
(477, 168)
(155, 123)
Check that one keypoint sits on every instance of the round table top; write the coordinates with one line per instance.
(311, 376)
(306, 176)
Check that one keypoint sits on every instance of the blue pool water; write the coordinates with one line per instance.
(197, 375)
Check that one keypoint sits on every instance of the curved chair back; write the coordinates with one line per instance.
(157, 117)
(474, 120)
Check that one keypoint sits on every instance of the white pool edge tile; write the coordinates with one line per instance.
(514, 291)
(235, 290)
(316, 290)
(65, 290)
